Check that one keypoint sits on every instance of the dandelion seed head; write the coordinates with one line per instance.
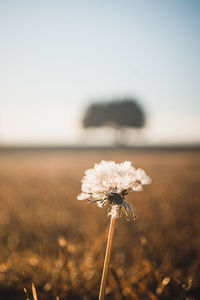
(108, 182)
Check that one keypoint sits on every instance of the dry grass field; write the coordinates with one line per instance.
(49, 238)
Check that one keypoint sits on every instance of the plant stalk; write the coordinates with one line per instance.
(107, 259)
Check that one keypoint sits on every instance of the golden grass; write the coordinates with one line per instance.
(49, 238)
(34, 292)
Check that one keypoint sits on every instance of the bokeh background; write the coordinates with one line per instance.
(58, 57)
(83, 81)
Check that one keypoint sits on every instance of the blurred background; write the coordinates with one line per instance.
(58, 58)
(83, 81)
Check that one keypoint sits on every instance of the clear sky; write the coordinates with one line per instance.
(56, 56)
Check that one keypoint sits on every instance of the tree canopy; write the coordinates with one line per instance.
(116, 113)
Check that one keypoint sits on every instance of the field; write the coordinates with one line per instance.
(49, 238)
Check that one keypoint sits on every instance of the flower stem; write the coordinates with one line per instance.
(107, 258)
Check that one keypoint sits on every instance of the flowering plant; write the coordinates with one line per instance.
(109, 182)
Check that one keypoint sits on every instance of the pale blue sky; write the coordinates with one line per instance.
(56, 56)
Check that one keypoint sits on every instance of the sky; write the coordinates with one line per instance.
(56, 57)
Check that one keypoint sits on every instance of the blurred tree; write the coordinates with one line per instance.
(119, 114)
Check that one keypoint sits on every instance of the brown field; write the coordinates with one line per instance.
(49, 238)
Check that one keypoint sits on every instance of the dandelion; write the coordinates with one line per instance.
(107, 184)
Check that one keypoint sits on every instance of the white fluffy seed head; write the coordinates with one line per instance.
(109, 182)
(110, 177)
